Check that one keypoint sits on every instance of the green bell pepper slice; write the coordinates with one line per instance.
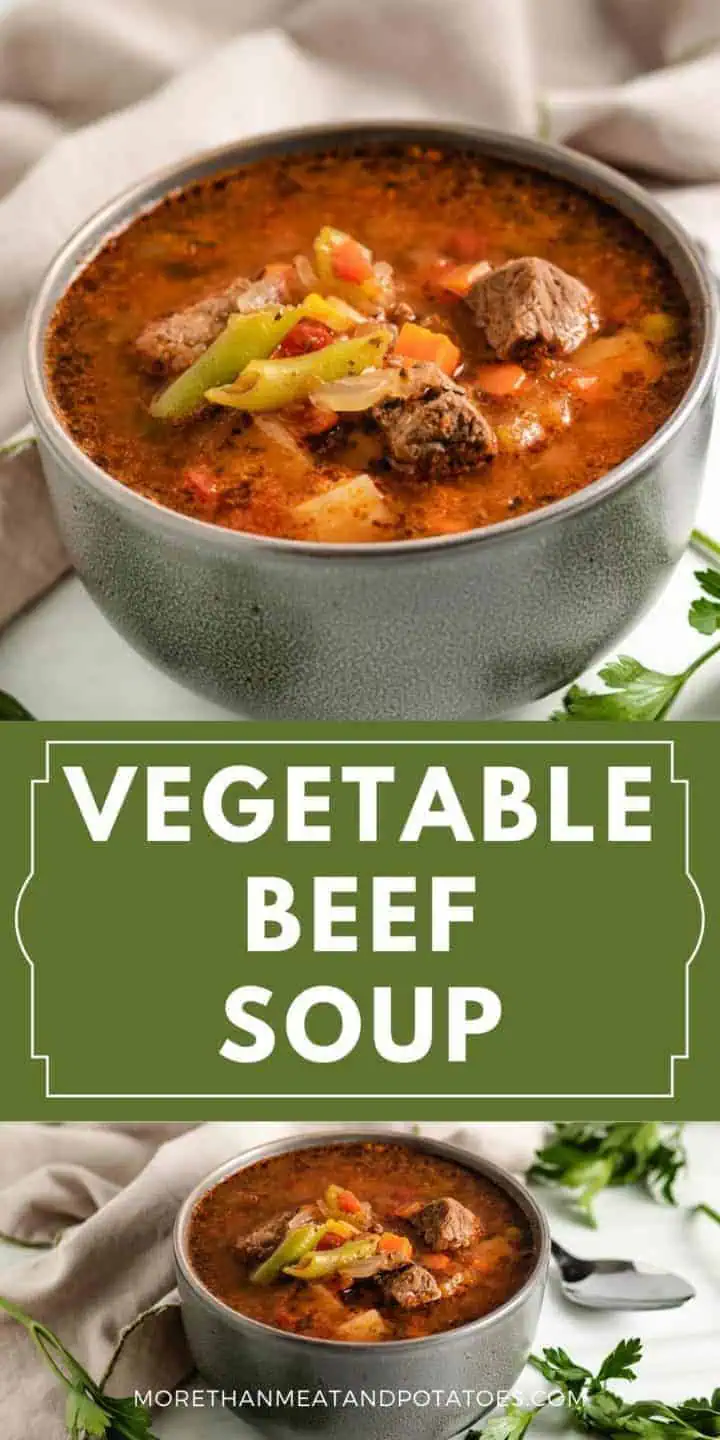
(295, 1244)
(245, 337)
(273, 384)
(320, 1263)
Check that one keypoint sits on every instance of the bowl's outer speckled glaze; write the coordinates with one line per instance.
(454, 628)
(236, 1354)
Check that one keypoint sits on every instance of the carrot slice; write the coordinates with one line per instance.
(389, 1244)
(435, 1261)
(500, 379)
(461, 278)
(416, 342)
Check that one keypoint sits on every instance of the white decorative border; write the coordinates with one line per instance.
(35, 1054)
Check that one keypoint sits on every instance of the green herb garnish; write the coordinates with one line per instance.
(11, 709)
(90, 1414)
(593, 1407)
(705, 1209)
(586, 1158)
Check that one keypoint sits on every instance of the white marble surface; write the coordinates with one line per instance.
(65, 662)
(681, 1346)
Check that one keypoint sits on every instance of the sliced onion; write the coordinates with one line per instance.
(358, 392)
(364, 1269)
(305, 273)
(277, 432)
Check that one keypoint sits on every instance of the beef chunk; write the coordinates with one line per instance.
(172, 343)
(411, 1287)
(260, 1243)
(445, 1224)
(529, 301)
(435, 429)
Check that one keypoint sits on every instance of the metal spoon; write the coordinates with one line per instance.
(619, 1284)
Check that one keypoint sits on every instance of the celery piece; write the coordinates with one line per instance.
(245, 337)
(295, 1244)
(272, 384)
(320, 1263)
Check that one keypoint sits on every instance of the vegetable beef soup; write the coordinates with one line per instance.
(382, 343)
(360, 1242)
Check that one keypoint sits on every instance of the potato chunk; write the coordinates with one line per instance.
(367, 1326)
(351, 511)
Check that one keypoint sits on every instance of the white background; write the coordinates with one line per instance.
(682, 1347)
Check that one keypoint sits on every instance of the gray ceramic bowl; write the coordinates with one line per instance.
(236, 1354)
(452, 628)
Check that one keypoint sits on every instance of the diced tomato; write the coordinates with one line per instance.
(349, 1203)
(202, 484)
(416, 342)
(467, 244)
(305, 336)
(459, 279)
(330, 1242)
(351, 261)
(500, 379)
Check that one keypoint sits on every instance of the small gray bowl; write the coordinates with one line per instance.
(475, 1362)
(455, 627)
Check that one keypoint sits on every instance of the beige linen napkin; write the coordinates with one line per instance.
(96, 93)
(105, 1197)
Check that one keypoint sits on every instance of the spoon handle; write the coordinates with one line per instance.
(570, 1267)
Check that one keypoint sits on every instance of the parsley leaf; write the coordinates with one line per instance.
(90, 1414)
(633, 693)
(594, 1408)
(511, 1425)
(585, 1158)
(11, 709)
(620, 1363)
(705, 611)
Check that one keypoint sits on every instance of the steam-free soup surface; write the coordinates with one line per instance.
(443, 1245)
(504, 420)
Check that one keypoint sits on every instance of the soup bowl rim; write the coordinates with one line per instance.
(586, 173)
(508, 1183)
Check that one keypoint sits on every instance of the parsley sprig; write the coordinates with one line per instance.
(593, 1407)
(90, 1414)
(635, 692)
(709, 1210)
(586, 1158)
(11, 709)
